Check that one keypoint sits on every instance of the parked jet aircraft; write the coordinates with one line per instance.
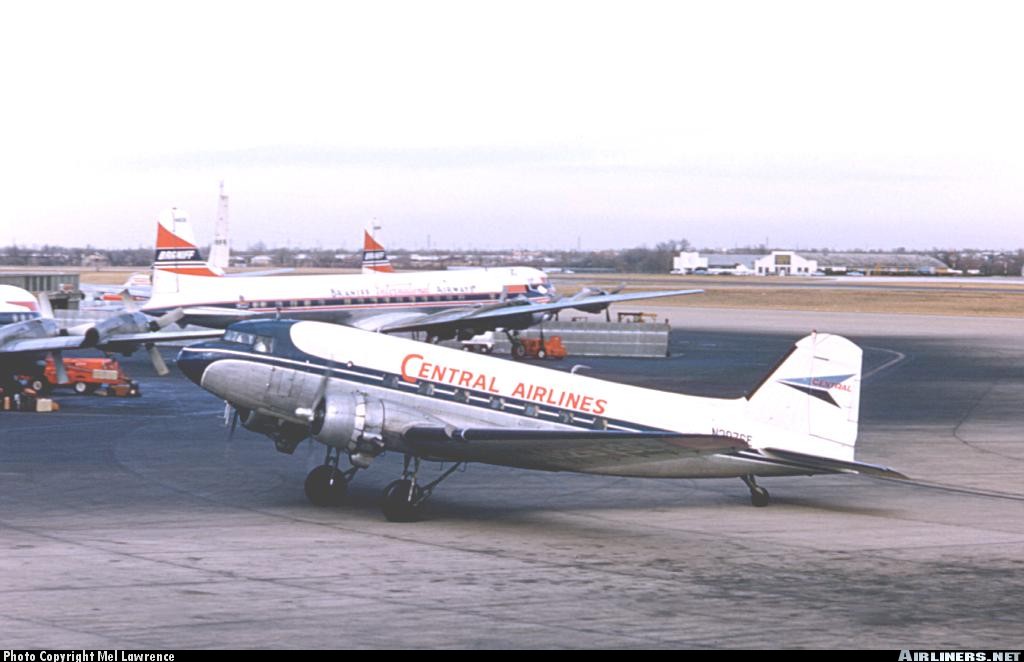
(28, 333)
(444, 304)
(362, 394)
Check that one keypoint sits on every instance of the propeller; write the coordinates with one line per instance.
(164, 320)
(158, 361)
(230, 419)
(310, 413)
(167, 319)
(129, 301)
(45, 307)
(58, 366)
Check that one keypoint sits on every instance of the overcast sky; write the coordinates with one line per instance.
(525, 124)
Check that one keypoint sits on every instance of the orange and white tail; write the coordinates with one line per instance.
(375, 260)
(176, 253)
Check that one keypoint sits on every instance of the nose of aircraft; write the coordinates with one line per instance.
(194, 360)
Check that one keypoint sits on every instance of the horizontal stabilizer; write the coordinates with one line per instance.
(828, 465)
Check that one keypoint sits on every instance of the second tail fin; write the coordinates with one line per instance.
(177, 253)
(375, 259)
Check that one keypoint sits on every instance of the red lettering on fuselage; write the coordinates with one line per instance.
(405, 363)
(415, 366)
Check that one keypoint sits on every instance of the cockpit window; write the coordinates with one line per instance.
(239, 337)
(261, 344)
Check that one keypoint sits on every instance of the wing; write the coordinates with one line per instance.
(121, 342)
(589, 451)
(51, 344)
(516, 313)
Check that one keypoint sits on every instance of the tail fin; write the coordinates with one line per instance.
(812, 398)
(177, 253)
(375, 260)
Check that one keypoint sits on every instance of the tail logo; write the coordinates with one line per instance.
(183, 255)
(820, 387)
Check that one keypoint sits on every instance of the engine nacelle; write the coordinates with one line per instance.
(353, 422)
(254, 422)
(39, 327)
(123, 323)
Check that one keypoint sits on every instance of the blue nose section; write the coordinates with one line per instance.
(194, 360)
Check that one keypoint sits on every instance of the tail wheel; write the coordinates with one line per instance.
(759, 497)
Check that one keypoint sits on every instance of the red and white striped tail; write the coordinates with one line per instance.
(375, 259)
(176, 250)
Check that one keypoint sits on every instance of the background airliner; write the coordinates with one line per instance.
(444, 304)
(28, 333)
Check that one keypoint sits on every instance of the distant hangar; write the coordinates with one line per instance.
(800, 263)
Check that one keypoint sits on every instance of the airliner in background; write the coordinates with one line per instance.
(29, 333)
(443, 304)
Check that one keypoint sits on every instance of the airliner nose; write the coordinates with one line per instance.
(194, 360)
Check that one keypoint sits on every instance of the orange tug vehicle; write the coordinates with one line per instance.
(102, 376)
(541, 348)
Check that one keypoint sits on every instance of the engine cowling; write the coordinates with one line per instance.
(122, 323)
(353, 422)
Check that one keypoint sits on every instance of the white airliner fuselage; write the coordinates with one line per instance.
(361, 393)
(343, 298)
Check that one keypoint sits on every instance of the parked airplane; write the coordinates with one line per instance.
(362, 394)
(444, 304)
(28, 333)
(138, 286)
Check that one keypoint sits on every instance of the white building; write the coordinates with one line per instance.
(784, 263)
(688, 262)
(792, 263)
(733, 264)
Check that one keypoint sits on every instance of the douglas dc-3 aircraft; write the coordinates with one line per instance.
(362, 394)
(444, 304)
(28, 333)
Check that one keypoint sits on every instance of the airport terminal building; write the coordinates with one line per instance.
(800, 263)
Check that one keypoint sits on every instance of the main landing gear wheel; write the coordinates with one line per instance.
(326, 486)
(759, 496)
(402, 501)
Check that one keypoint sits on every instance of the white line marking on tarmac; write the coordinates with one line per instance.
(888, 364)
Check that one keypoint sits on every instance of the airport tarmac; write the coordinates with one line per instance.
(136, 523)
